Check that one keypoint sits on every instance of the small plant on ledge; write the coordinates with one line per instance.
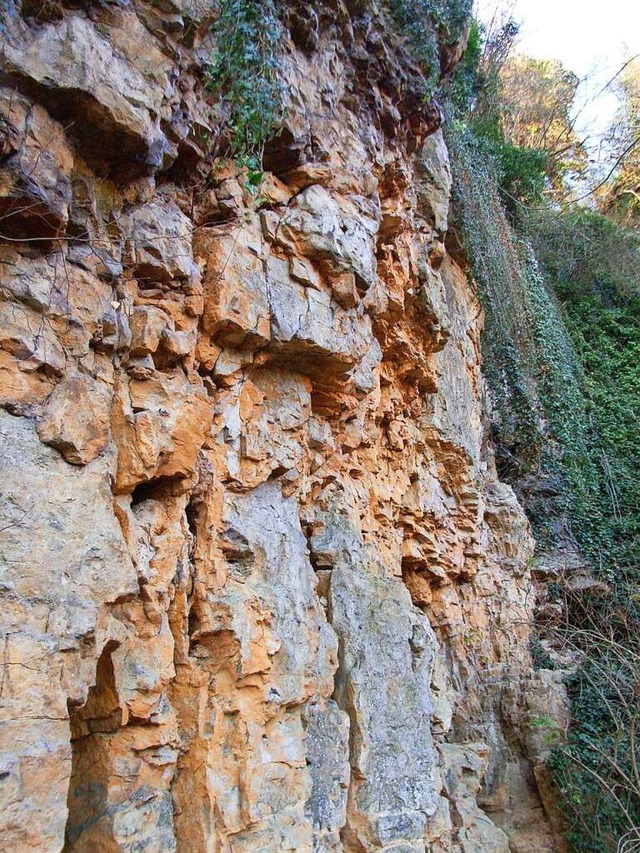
(243, 74)
(426, 24)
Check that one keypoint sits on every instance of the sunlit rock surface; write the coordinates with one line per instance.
(261, 587)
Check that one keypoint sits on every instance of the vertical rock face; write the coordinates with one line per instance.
(262, 590)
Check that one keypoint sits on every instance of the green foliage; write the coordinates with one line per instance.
(243, 74)
(594, 267)
(561, 355)
(561, 349)
(597, 768)
(425, 24)
(510, 353)
(462, 87)
(587, 253)
(522, 174)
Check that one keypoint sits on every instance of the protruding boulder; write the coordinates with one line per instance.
(147, 325)
(35, 183)
(110, 105)
(159, 242)
(434, 187)
(159, 426)
(338, 233)
(75, 419)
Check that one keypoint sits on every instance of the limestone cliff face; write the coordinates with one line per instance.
(262, 590)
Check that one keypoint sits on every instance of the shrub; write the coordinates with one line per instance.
(561, 353)
(597, 768)
(561, 291)
(243, 74)
(428, 23)
(522, 175)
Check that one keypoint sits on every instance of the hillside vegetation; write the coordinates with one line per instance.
(560, 280)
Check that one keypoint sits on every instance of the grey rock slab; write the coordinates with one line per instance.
(273, 564)
(333, 230)
(327, 749)
(434, 186)
(75, 547)
(62, 556)
(83, 78)
(159, 242)
(386, 656)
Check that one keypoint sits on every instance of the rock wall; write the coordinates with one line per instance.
(262, 589)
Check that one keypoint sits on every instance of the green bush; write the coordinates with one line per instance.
(561, 350)
(594, 267)
(496, 256)
(461, 89)
(596, 770)
(522, 175)
(426, 24)
(243, 74)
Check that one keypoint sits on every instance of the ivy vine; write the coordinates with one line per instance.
(244, 75)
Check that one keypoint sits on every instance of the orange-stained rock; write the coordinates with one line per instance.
(158, 427)
(262, 589)
(75, 418)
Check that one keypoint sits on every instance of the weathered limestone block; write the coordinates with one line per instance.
(456, 413)
(30, 340)
(159, 426)
(62, 559)
(21, 389)
(121, 795)
(327, 750)
(434, 184)
(125, 736)
(304, 272)
(252, 299)
(310, 332)
(386, 660)
(538, 709)
(279, 570)
(464, 766)
(78, 299)
(194, 9)
(143, 664)
(433, 301)
(236, 309)
(35, 753)
(508, 526)
(50, 310)
(159, 242)
(35, 184)
(28, 280)
(339, 233)
(274, 408)
(266, 642)
(147, 325)
(75, 418)
(383, 684)
(115, 113)
(176, 345)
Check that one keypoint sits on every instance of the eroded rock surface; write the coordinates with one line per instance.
(261, 587)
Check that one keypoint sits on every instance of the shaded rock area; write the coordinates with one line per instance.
(261, 587)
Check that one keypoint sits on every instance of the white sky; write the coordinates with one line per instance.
(590, 37)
